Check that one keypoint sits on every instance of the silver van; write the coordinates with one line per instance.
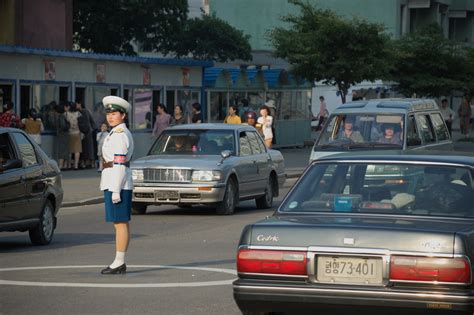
(395, 124)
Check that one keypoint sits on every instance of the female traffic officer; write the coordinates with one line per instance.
(116, 178)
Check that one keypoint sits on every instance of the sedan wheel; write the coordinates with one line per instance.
(266, 201)
(42, 234)
(227, 205)
(138, 208)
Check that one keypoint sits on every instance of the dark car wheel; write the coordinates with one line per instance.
(42, 234)
(229, 202)
(266, 201)
(138, 208)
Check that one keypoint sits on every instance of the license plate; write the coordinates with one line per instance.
(166, 194)
(342, 269)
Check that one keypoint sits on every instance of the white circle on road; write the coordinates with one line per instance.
(118, 285)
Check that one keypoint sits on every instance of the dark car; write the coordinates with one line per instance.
(30, 187)
(389, 232)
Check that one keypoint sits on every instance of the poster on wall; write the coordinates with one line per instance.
(146, 76)
(186, 78)
(49, 70)
(142, 100)
(100, 73)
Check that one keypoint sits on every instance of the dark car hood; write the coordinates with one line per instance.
(178, 161)
(396, 234)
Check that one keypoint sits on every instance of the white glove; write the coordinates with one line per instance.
(116, 197)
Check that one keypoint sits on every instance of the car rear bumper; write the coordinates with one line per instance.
(193, 194)
(251, 295)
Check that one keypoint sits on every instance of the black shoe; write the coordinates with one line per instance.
(113, 271)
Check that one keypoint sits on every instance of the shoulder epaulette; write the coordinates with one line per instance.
(119, 130)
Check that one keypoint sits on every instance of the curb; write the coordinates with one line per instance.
(84, 202)
(97, 200)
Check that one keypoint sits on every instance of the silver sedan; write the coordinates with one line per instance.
(212, 164)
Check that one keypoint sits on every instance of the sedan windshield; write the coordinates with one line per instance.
(362, 130)
(401, 189)
(193, 142)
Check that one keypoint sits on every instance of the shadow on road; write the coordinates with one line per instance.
(204, 211)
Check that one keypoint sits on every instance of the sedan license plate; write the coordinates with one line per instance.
(166, 195)
(342, 269)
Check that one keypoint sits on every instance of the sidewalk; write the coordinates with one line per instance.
(82, 187)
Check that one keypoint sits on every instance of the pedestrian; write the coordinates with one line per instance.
(162, 121)
(116, 179)
(322, 114)
(196, 113)
(266, 121)
(447, 114)
(245, 109)
(87, 127)
(232, 116)
(8, 118)
(271, 106)
(178, 118)
(33, 125)
(75, 144)
(101, 135)
(61, 141)
(250, 119)
(465, 113)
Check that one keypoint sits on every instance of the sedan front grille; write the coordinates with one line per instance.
(167, 175)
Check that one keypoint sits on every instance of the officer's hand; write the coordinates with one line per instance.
(116, 197)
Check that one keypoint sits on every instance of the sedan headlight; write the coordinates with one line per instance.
(206, 176)
(137, 175)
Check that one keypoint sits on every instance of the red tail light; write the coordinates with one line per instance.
(456, 270)
(271, 262)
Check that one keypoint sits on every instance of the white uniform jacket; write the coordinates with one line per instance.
(117, 148)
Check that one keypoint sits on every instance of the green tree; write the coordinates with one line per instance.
(210, 38)
(428, 64)
(109, 26)
(322, 46)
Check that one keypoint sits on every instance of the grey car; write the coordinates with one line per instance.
(210, 164)
(30, 187)
(389, 232)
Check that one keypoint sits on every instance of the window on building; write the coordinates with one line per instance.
(142, 108)
(217, 106)
(188, 97)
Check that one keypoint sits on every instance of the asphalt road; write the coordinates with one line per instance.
(181, 261)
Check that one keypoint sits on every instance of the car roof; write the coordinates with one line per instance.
(211, 126)
(422, 156)
(387, 105)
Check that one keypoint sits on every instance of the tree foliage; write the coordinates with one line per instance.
(323, 46)
(428, 64)
(211, 38)
(109, 26)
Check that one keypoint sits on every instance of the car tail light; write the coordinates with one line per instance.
(271, 262)
(456, 270)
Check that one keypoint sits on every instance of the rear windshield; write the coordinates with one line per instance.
(193, 142)
(362, 130)
(405, 189)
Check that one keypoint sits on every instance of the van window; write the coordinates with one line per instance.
(426, 129)
(413, 138)
(361, 129)
(439, 127)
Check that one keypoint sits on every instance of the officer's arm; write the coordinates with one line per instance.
(120, 145)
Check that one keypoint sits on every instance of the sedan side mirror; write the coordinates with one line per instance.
(226, 153)
(11, 164)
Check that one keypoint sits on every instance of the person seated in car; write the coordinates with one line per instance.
(390, 136)
(350, 133)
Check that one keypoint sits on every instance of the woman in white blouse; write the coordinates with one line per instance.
(266, 121)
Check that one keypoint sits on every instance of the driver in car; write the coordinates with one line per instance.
(349, 133)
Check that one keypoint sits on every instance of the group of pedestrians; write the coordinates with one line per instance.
(263, 124)
(163, 120)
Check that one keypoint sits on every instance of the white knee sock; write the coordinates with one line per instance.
(119, 260)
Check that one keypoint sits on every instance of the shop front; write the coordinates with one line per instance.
(291, 98)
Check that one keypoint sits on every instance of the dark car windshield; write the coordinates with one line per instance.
(193, 142)
(361, 131)
(384, 188)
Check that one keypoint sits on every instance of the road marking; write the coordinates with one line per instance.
(119, 285)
